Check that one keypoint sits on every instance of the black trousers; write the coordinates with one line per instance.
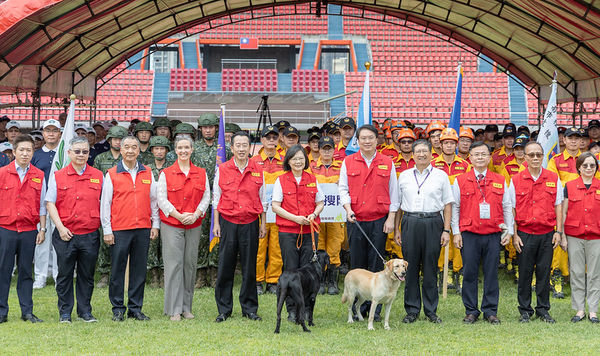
(481, 250)
(535, 256)
(294, 257)
(22, 246)
(242, 239)
(421, 248)
(132, 244)
(81, 250)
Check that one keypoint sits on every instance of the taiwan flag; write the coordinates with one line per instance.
(248, 43)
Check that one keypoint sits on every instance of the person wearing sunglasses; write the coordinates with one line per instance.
(73, 203)
(536, 196)
(580, 215)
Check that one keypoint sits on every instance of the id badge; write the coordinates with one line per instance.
(484, 210)
(419, 204)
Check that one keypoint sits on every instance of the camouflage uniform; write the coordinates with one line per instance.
(145, 157)
(104, 162)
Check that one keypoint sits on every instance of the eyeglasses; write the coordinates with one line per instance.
(535, 155)
(78, 152)
(421, 152)
(588, 165)
(406, 142)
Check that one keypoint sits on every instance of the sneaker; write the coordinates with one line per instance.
(88, 318)
(39, 283)
(65, 319)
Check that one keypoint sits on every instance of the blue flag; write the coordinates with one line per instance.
(455, 115)
(365, 116)
(221, 157)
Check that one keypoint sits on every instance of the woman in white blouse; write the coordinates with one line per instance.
(183, 197)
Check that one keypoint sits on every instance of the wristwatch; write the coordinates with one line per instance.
(448, 231)
(559, 232)
(43, 229)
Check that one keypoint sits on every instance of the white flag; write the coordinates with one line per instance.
(548, 136)
(61, 158)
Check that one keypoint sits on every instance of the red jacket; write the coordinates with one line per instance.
(185, 193)
(130, 208)
(20, 208)
(534, 212)
(240, 192)
(471, 195)
(583, 211)
(78, 198)
(298, 199)
(369, 186)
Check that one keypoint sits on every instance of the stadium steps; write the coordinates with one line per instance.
(134, 58)
(362, 55)
(213, 82)
(335, 24)
(190, 56)
(337, 86)
(309, 54)
(284, 82)
(517, 102)
(484, 65)
(160, 94)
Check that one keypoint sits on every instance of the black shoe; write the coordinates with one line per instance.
(493, 319)
(271, 288)
(292, 317)
(409, 318)
(88, 318)
(222, 317)
(577, 318)
(524, 318)
(32, 318)
(3, 319)
(594, 319)
(546, 318)
(65, 319)
(259, 289)
(137, 316)
(470, 319)
(251, 316)
(118, 316)
(434, 319)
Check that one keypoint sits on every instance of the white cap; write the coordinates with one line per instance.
(102, 124)
(90, 130)
(51, 122)
(5, 146)
(13, 123)
(36, 136)
(80, 126)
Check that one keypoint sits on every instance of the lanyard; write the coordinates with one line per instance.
(417, 181)
(479, 187)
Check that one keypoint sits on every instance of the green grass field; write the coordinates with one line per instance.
(331, 335)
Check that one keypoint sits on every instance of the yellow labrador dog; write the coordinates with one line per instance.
(379, 288)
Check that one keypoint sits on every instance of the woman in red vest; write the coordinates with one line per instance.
(183, 196)
(297, 201)
(581, 207)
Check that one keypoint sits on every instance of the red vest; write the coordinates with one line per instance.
(298, 199)
(534, 212)
(240, 192)
(369, 186)
(584, 207)
(470, 198)
(130, 208)
(185, 193)
(20, 207)
(78, 198)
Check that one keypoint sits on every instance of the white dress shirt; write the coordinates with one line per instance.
(217, 189)
(435, 191)
(163, 201)
(278, 191)
(506, 207)
(392, 184)
(107, 197)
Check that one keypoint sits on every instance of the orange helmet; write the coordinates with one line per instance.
(466, 132)
(387, 124)
(435, 125)
(388, 134)
(397, 125)
(449, 134)
(406, 133)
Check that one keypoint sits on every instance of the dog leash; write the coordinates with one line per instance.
(314, 227)
(373, 245)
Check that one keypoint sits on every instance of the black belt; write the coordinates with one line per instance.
(422, 215)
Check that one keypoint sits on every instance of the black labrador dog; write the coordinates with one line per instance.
(302, 285)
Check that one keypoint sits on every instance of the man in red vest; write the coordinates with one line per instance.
(240, 200)
(369, 194)
(129, 214)
(481, 204)
(536, 195)
(73, 203)
(22, 208)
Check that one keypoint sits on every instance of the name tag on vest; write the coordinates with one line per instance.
(459, 168)
(36, 180)
(146, 181)
(94, 180)
(497, 185)
(564, 165)
(311, 185)
(255, 174)
(382, 166)
(550, 184)
(597, 191)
